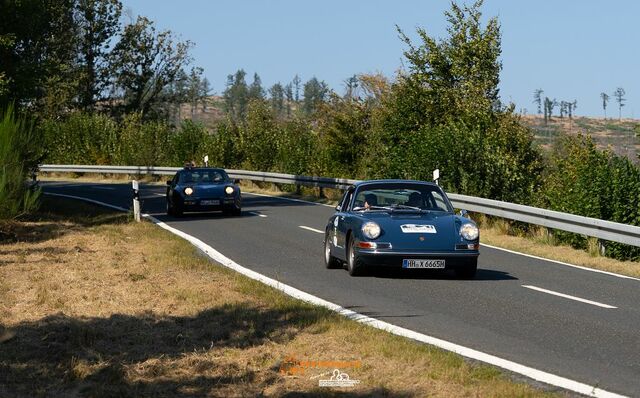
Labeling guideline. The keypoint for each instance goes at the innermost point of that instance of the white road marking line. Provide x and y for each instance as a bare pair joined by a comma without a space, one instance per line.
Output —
568,296
258,214
87,200
311,229
539,375
561,263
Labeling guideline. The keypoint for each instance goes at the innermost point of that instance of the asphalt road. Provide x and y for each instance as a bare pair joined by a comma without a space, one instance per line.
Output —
519,308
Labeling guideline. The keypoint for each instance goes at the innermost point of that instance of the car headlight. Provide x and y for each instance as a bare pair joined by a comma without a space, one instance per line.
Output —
469,231
229,190
371,230
188,190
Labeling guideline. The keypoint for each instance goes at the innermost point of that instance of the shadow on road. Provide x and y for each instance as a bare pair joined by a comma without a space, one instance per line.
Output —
399,273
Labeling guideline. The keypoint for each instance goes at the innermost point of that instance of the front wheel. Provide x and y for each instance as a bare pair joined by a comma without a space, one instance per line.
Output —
468,271
329,260
354,264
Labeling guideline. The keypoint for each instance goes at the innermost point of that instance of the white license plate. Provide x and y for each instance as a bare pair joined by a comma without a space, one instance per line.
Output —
209,202
408,263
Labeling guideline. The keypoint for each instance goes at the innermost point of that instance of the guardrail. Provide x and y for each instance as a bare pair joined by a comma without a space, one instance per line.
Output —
606,230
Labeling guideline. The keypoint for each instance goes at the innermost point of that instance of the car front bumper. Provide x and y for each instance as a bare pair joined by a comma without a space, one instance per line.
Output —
453,260
195,204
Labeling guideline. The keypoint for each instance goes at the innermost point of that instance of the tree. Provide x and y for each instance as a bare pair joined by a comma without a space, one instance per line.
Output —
145,63
619,94
236,95
537,99
315,93
288,91
197,88
38,42
563,108
605,100
351,85
277,93
98,21
571,107
374,86
296,87
255,89
462,71
549,105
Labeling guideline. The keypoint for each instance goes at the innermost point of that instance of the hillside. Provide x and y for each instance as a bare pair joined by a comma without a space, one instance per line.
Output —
621,136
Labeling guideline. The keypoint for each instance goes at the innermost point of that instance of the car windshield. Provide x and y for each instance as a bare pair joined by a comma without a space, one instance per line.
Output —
202,176
401,197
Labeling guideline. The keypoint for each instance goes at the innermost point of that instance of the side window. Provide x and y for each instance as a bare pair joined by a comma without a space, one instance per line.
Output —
346,200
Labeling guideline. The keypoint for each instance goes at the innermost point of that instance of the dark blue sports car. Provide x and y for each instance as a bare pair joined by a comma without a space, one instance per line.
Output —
203,189
399,223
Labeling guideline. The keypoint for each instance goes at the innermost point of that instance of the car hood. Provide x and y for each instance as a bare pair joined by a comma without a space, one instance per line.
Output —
418,231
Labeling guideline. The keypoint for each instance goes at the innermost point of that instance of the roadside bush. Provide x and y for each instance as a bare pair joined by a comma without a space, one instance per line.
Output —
593,183
189,143
145,143
20,152
82,138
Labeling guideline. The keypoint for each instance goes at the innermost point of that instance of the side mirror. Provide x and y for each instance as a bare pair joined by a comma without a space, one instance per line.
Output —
169,182
463,213
236,181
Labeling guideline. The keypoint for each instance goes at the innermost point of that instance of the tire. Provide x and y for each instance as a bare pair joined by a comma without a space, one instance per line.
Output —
177,211
169,208
354,264
330,262
237,212
468,271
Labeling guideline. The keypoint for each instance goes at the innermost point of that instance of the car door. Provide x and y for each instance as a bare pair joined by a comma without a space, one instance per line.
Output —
172,186
341,222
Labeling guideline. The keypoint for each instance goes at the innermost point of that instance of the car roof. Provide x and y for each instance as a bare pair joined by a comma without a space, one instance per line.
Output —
202,169
393,181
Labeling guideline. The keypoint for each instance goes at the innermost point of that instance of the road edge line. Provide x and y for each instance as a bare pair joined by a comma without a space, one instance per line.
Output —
562,263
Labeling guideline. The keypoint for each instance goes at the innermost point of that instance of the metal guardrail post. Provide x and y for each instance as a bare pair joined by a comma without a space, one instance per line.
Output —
136,200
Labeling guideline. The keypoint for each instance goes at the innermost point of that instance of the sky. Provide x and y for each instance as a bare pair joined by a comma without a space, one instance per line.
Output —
572,49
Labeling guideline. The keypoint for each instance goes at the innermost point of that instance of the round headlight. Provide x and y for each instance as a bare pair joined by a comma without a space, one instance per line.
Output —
469,231
371,230
188,190
229,190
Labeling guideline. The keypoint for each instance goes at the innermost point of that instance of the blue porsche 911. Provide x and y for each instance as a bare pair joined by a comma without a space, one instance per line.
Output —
400,223
203,189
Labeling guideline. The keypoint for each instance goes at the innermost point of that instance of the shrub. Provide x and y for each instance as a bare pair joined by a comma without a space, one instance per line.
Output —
20,153
593,183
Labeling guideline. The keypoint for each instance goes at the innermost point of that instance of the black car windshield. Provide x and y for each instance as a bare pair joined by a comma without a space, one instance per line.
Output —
202,176
401,196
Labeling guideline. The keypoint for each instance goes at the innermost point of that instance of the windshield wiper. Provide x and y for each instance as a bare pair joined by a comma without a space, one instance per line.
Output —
362,208
405,207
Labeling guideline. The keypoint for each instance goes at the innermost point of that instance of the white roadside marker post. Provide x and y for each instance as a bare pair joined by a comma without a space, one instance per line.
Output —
136,200
436,176
206,161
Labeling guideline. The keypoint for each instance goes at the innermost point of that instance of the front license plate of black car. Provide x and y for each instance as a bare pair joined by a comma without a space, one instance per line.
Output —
209,202
408,263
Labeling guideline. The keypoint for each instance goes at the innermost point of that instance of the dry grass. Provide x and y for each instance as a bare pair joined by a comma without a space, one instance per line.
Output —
543,245
103,307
